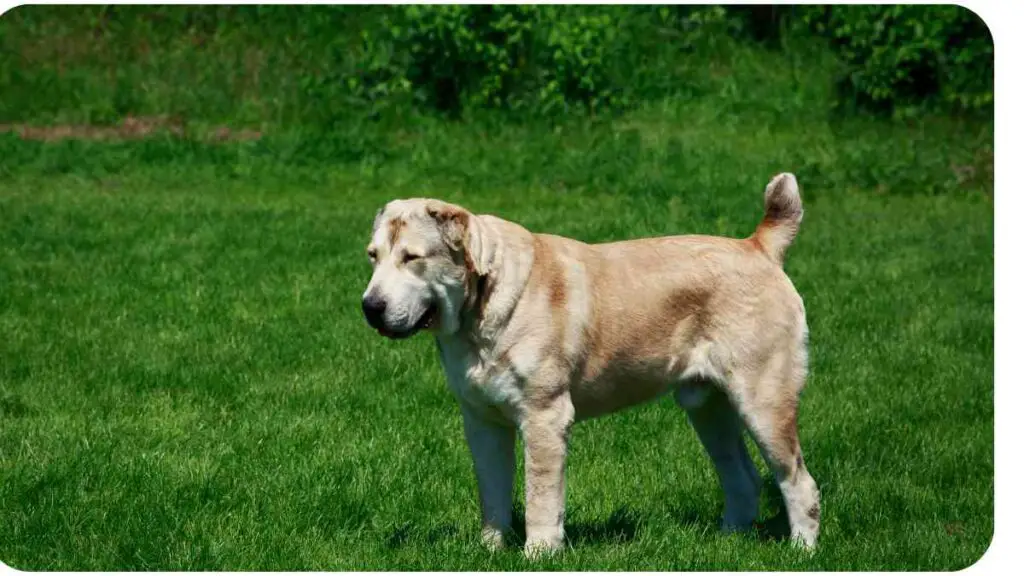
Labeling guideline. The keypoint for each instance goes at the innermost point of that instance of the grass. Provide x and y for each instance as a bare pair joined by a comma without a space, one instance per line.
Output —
186,381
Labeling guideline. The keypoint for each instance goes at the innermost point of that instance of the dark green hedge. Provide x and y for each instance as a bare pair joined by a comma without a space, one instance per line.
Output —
558,58
905,58
545,59
328,64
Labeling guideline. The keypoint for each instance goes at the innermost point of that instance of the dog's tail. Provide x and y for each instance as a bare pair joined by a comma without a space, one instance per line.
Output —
783,212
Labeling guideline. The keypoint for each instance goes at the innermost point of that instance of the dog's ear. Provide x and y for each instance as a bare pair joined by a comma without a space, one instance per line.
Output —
453,223
456,225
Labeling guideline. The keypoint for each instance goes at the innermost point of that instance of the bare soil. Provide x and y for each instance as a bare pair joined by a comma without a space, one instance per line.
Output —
130,128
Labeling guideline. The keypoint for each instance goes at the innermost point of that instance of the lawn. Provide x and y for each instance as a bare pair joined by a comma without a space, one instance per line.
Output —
186,381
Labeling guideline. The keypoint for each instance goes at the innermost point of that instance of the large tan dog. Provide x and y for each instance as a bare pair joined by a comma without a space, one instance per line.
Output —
537,331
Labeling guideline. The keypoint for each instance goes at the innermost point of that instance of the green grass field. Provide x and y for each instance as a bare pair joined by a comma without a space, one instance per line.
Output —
187,383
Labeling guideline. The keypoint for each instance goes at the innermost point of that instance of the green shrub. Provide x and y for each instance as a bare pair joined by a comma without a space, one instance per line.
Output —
904,58
542,59
329,66
446,56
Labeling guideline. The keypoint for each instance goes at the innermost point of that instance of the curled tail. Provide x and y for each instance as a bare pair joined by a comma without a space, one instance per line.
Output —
782,214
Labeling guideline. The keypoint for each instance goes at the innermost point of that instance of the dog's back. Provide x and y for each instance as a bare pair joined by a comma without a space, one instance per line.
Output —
638,318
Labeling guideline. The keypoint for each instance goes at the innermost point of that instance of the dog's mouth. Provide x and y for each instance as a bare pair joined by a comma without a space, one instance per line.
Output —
426,321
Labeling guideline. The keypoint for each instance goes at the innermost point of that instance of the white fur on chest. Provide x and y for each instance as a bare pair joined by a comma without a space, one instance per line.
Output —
489,388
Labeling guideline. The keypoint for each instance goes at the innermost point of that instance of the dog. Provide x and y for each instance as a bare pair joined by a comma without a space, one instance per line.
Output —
537,331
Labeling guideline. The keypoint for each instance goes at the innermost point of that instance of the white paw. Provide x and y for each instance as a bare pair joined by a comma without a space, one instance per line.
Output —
805,541
492,538
540,548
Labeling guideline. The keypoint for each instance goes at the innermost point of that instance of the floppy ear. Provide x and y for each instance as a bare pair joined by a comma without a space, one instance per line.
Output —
458,232
453,223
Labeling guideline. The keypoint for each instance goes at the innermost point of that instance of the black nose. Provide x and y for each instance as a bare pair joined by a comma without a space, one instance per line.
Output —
373,309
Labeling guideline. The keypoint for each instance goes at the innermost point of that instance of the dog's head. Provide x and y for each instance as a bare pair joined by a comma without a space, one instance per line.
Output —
422,257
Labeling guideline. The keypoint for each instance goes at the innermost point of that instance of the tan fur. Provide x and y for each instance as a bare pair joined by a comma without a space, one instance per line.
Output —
395,229
551,330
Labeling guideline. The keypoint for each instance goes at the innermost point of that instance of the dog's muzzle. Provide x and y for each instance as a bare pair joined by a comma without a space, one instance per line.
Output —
374,309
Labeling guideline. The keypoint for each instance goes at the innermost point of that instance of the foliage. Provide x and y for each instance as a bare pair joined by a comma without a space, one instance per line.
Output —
523,57
328,65
908,57
562,58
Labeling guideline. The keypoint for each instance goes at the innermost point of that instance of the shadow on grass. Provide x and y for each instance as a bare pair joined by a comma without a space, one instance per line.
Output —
13,406
401,535
774,528
622,525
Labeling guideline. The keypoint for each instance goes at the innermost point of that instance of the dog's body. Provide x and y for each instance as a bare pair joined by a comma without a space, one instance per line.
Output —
537,331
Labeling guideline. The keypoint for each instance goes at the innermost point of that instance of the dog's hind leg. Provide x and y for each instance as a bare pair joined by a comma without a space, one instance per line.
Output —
720,430
771,417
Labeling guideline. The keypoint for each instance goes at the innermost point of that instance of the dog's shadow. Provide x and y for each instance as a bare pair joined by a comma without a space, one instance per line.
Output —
622,525
774,528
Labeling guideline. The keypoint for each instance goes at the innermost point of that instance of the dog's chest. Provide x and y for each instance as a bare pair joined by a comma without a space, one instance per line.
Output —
483,384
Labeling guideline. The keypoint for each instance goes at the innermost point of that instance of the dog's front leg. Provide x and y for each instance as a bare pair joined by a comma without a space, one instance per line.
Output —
493,448
545,430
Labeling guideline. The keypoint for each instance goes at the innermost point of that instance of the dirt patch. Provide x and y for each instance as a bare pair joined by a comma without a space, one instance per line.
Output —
131,128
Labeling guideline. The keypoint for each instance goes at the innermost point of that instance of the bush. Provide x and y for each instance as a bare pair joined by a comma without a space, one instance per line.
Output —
554,59
329,66
904,58
542,59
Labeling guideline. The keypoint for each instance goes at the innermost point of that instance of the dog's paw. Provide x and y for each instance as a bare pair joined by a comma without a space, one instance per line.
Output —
492,538
540,548
805,541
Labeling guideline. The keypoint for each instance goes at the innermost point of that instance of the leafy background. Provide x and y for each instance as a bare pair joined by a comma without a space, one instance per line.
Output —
185,378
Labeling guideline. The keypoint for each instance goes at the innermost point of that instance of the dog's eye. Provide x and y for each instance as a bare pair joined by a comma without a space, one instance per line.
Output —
371,254
409,257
